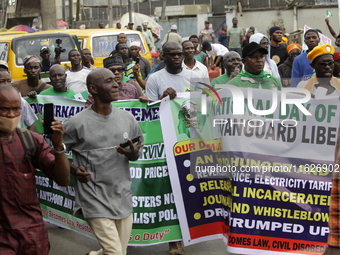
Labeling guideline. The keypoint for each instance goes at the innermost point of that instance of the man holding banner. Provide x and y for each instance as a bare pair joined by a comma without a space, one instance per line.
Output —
103,186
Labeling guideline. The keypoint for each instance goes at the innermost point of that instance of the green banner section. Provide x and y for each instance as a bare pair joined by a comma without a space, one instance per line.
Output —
155,218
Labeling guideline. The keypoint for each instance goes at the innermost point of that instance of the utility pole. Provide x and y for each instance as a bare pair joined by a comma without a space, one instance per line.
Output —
130,11
64,10
120,8
163,10
78,10
110,14
48,14
70,13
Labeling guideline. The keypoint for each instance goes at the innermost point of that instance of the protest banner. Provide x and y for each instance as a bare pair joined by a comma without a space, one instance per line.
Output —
154,214
280,165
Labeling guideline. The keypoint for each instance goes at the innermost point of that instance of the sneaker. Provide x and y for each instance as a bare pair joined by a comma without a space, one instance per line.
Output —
175,248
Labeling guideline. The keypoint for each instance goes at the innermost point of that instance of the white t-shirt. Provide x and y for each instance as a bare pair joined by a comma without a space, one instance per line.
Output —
199,68
217,50
158,82
28,116
76,81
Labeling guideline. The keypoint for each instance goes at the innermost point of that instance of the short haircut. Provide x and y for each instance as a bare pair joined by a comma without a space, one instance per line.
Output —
234,18
311,31
5,87
185,42
121,34
69,53
118,45
193,36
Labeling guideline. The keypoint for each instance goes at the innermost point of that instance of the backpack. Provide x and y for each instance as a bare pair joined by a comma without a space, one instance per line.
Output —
27,140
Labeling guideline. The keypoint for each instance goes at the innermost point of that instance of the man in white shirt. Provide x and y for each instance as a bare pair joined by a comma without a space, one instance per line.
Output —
217,50
76,75
191,63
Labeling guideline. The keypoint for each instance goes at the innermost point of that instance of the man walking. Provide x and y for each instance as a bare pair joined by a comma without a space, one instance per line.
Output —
235,37
101,166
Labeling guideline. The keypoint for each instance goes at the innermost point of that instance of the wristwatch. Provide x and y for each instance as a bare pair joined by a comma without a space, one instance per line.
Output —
60,152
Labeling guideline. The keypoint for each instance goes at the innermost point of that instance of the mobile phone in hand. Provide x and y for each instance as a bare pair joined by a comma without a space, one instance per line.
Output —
48,118
137,60
134,140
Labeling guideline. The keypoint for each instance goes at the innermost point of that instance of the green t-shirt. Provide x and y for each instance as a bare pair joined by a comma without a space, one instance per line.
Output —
234,34
200,57
223,79
263,80
51,92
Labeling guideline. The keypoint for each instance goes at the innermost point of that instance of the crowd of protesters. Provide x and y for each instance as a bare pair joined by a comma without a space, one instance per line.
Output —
236,57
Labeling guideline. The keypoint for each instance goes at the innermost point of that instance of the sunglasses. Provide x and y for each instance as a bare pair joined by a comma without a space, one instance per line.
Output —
174,54
324,64
119,69
295,54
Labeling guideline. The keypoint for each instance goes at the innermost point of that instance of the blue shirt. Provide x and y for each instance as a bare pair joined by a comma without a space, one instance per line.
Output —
301,69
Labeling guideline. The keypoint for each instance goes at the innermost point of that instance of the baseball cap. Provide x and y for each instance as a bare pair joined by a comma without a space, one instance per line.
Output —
3,63
130,23
44,48
251,48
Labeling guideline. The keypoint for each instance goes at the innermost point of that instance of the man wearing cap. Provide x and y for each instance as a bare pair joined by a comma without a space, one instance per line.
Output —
278,52
302,69
130,25
217,50
76,75
45,55
144,64
253,75
285,69
149,33
232,63
323,84
336,58
3,65
206,34
190,63
235,37
32,86
172,35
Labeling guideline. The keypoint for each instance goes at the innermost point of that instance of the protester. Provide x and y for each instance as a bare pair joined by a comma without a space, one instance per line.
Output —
235,37
158,86
32,86
285,69
198,54
148,33
3,66
22,227
302,69
130,25
58,81
76,75
155,37
233,65
323,84
144,64
335,35
216,50
28,116
253,75
249,33
222,38
172,35
146,37
103,181
46,63
190,63
122,38
336,59
86,59
206,34
278,52
269,64
118,26
126,90
101,25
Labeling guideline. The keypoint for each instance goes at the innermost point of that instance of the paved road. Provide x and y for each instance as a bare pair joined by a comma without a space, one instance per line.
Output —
67,242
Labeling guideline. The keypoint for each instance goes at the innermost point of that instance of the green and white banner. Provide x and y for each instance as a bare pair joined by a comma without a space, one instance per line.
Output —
155,218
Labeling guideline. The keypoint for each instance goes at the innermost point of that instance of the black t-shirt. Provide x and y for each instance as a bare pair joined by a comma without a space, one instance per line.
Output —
278,54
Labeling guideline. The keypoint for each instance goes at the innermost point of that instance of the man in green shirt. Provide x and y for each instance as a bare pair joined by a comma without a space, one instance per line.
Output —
58,80
253,75
233,64
235,37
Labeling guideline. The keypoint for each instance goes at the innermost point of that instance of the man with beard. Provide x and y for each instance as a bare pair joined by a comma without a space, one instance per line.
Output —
158,85
323,84
302,69
233,64
253,75
278,52
76,75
